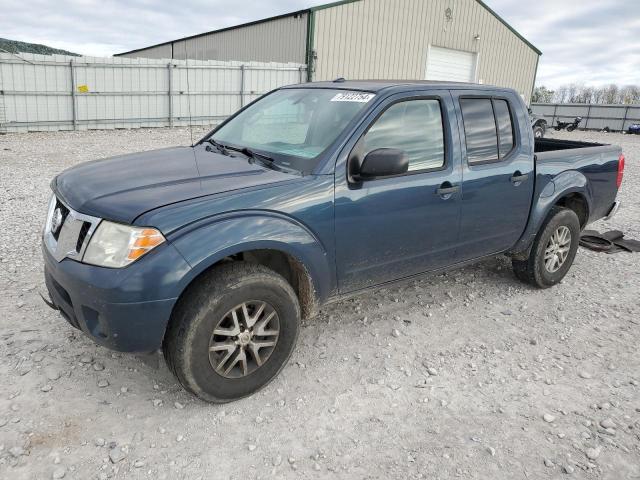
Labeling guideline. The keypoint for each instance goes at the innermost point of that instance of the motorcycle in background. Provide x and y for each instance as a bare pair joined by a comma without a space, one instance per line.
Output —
570,126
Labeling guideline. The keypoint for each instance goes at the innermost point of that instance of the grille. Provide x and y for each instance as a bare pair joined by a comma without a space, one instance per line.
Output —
70,239
82,236
65,213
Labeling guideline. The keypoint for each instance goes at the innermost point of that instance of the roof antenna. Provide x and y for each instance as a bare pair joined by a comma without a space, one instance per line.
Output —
186,59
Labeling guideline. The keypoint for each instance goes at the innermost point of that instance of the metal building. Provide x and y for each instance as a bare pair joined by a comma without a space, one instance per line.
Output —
459,40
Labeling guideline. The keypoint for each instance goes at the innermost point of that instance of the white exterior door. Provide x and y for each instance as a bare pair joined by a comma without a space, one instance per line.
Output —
451,65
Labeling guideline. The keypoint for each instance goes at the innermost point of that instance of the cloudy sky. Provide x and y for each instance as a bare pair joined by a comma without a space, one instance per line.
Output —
588,41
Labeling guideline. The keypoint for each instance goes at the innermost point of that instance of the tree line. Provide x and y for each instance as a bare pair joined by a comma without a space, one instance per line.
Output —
14,46
574,93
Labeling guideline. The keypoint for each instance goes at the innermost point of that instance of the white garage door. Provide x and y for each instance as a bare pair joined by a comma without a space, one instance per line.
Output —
451,65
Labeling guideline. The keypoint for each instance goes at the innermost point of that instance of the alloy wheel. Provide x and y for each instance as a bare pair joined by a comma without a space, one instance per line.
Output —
557,249
244,339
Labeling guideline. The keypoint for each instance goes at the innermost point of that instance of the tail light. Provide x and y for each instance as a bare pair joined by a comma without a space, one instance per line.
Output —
620,170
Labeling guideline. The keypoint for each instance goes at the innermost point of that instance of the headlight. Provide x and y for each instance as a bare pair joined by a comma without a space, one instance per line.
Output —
52,205
116,246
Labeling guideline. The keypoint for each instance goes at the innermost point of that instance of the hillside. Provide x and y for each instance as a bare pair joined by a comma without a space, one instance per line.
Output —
14,46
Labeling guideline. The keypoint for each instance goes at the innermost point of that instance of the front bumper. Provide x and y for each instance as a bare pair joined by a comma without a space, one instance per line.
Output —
124,309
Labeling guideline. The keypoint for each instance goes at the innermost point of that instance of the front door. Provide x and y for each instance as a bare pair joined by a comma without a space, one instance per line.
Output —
390,228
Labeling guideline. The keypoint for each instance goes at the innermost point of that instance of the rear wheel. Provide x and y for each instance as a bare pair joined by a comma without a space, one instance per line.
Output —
553,250
232,332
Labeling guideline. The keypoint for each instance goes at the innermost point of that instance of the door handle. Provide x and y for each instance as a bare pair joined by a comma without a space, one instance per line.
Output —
446,190
518,177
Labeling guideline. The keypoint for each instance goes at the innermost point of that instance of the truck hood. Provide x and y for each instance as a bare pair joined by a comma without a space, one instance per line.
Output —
124,187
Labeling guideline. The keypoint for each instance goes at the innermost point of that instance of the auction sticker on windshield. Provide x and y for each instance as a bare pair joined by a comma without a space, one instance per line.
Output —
359,97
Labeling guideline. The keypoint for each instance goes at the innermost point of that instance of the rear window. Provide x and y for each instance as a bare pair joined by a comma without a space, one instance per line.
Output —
488,128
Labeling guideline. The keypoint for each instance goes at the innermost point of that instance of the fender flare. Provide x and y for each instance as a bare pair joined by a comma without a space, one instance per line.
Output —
205,243
566,183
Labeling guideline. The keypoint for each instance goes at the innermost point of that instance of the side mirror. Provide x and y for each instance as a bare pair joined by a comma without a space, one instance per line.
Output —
383,162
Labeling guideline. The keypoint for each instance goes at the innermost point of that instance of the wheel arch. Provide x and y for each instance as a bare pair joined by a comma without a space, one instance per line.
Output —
285,264
576,201
276,242
569,190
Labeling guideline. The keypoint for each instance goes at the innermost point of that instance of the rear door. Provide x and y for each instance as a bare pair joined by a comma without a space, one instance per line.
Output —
390,228
497,171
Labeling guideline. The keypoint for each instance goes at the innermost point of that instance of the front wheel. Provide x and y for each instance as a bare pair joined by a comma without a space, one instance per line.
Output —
553,250
232,332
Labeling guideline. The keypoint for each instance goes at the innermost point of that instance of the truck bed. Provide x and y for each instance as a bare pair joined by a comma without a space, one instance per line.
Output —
597,163
554,145
581,153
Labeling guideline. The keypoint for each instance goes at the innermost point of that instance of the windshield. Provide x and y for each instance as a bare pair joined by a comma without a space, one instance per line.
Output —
293,126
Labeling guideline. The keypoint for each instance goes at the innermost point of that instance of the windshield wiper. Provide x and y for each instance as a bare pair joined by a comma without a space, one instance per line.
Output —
252,155
247,152
261,156
223,149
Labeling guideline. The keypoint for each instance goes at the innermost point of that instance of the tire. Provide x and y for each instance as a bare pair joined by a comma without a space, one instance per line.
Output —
207,306
534,270
538,132
571,128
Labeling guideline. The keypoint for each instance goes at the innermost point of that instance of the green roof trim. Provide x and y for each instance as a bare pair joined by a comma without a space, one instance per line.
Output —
513,30
311,28
332,4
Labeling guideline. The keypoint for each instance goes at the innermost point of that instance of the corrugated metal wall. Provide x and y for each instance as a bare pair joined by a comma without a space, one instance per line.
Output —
391,38
279,40
49,93
596,117
159,52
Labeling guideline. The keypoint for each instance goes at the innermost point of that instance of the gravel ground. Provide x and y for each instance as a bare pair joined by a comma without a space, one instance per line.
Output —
468,374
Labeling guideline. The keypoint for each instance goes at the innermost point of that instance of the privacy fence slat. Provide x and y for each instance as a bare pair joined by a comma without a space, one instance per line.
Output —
594,116
57,92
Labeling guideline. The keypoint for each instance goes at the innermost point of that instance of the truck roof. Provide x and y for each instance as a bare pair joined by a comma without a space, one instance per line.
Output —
375,86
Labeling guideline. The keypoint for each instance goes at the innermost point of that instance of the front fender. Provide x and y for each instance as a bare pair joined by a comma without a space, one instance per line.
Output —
204,244
555,189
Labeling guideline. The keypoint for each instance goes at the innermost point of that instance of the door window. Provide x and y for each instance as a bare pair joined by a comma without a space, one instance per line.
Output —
488,128
505,128
414,126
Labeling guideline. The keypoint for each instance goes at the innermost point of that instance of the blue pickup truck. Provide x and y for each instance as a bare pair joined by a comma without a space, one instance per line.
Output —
214,252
